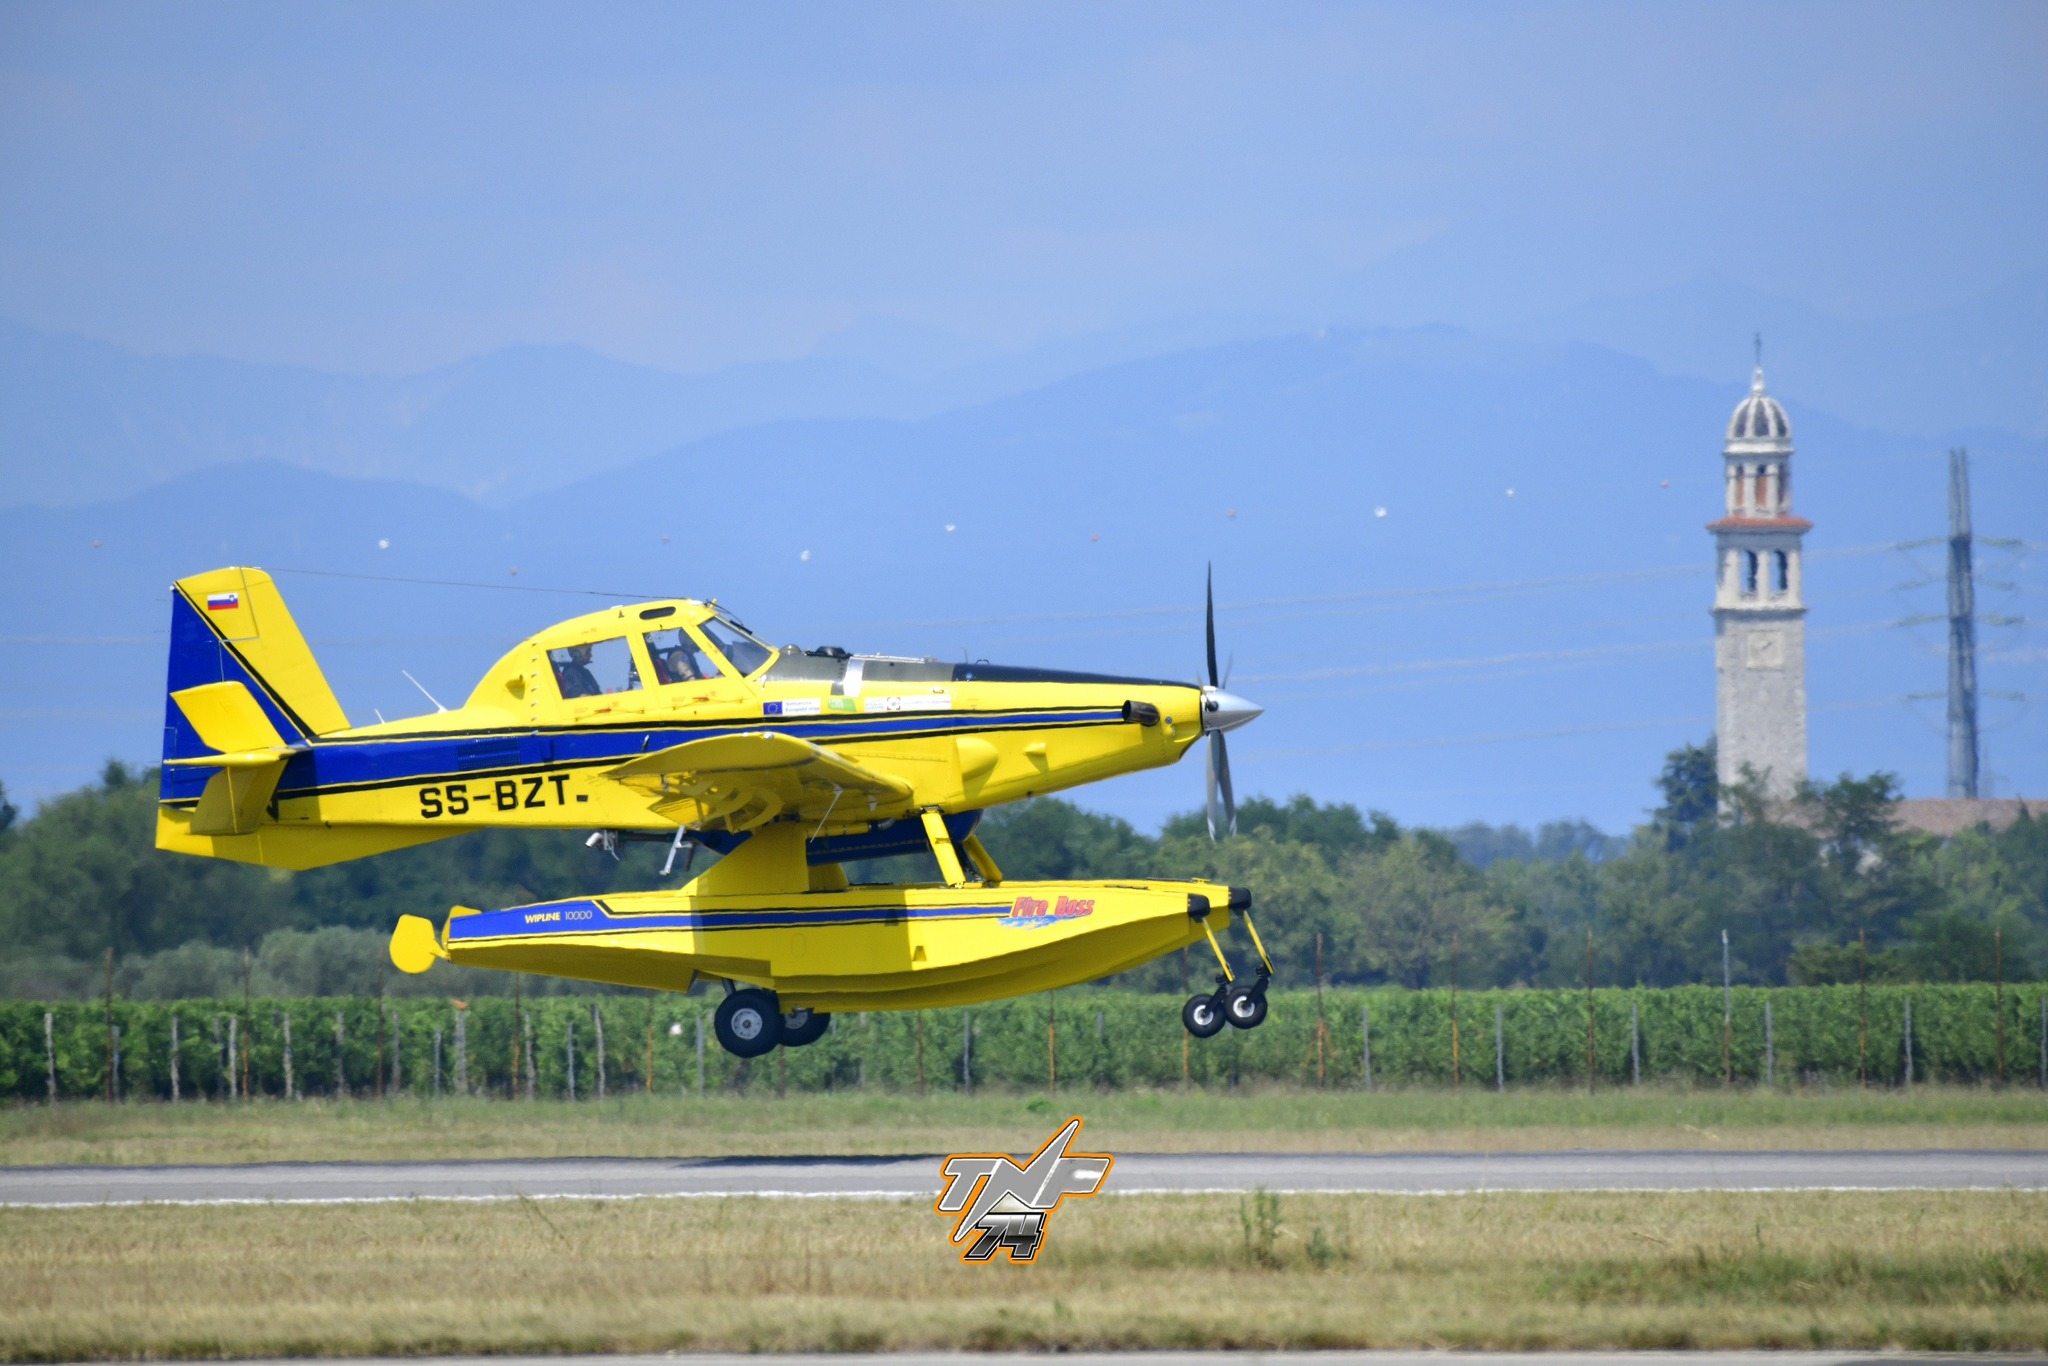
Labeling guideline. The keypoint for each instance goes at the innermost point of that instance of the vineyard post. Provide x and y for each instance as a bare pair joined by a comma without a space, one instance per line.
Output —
2044,1043
1052,1042
649,1075
248,1028
175,1049
380,1026
1770,1046
1862,1011
1454,1011
1592,1057
284,1026
110,1022
50,1052
117,1062
1998,970
1185,1080
597,1028
1635,1045
234,1053
570,1045
340,1058
1727,1017
1365,1042
437,1062
1906,1042
397,1049
1322,1027
461,1049
1500,1053
966,1050
518,1029
532,1072
920,1052
700,1055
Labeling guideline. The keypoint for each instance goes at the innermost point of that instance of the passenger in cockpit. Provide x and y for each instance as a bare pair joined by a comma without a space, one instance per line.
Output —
676,664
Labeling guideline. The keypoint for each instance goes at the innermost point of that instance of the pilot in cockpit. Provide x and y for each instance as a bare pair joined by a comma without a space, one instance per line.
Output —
677,666
573,674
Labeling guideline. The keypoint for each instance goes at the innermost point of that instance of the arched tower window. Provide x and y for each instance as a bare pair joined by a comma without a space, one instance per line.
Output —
1749,568
1767,488
1781,572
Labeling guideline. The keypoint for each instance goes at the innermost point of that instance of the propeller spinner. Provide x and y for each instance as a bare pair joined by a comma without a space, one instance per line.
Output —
1221,711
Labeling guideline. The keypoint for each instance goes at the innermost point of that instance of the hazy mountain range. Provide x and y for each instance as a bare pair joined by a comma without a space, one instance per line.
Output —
1466,574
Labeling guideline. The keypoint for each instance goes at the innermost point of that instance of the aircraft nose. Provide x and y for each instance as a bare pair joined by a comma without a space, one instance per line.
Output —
1226,711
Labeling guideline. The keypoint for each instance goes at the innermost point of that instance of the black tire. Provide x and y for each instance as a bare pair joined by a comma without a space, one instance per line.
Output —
1245,1007
800,1027
1202,1016
748,1023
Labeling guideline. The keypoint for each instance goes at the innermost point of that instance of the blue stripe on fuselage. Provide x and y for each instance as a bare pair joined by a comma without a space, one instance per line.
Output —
344,763
589,917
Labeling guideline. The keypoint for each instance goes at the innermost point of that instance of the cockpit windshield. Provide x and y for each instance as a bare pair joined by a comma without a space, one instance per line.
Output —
745,653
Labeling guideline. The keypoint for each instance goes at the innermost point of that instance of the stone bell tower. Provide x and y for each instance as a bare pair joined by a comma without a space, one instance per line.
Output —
1759,610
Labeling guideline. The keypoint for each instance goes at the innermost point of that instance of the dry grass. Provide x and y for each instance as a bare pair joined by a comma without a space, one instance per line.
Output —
868,1122
1878,1270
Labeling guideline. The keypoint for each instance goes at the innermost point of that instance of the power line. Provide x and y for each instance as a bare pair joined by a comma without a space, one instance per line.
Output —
1516,737
459,583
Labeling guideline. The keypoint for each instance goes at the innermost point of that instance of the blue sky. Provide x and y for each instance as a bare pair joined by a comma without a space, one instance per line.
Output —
989,198
382,188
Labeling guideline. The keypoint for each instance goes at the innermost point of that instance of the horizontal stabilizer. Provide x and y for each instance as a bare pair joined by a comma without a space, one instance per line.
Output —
253,757
227,718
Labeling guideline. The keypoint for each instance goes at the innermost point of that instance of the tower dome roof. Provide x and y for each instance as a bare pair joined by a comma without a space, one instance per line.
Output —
1759,417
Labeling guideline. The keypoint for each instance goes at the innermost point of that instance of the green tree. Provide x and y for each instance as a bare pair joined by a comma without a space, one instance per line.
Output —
1692,793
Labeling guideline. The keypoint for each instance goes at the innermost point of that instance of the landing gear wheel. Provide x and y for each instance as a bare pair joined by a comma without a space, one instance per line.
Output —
800,1027
1202,1016
748,1022
1245,1007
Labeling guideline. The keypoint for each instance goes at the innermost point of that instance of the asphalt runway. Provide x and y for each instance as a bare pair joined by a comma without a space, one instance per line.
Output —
1134,1173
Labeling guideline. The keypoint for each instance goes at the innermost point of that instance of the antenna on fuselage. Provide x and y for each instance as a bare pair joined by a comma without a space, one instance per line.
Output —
423,691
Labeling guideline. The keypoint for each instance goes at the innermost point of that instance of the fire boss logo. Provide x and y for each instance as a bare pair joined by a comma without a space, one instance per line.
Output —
1031,913
1003,1206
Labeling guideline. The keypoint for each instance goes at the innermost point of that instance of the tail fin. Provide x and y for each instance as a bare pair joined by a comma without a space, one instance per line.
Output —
231,626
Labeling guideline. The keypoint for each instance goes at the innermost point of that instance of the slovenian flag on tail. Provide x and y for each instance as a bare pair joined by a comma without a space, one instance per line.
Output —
223,602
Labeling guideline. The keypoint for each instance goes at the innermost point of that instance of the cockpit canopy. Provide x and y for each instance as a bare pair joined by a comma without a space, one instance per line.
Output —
660,645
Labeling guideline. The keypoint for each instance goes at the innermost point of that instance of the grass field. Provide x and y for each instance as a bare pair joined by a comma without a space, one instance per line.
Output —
873,1122
1881,1270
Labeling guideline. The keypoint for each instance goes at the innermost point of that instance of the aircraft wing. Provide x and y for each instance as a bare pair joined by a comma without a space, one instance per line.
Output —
750,779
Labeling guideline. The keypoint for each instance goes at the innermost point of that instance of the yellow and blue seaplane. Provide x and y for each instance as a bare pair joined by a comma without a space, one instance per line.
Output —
671,721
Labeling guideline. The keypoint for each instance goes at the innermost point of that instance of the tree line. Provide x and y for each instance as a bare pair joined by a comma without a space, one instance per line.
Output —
1814,891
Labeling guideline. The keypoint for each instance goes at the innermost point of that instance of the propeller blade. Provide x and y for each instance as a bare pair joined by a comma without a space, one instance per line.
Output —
1209,768
1223,780
1209,597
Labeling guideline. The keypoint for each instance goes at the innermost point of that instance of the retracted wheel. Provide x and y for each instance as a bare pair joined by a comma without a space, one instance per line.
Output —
803,1026
1245,1006
1202,1015
748,1022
